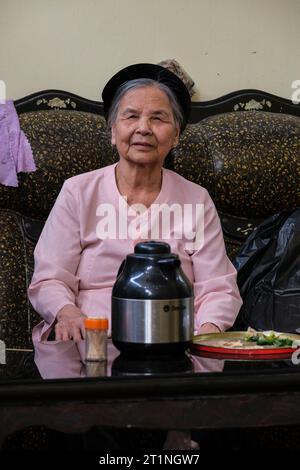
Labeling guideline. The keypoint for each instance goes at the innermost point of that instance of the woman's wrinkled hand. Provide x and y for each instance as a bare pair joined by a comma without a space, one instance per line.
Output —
70,324
208,328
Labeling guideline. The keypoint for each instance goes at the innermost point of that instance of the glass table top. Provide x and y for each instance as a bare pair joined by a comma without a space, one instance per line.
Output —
22,365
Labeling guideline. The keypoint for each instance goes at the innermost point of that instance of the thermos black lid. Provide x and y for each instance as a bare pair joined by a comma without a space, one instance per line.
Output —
152,248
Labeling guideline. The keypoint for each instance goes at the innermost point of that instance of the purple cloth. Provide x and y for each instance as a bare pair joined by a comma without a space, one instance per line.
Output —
15,151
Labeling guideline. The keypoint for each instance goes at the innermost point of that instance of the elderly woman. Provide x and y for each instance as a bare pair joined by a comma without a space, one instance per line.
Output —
76,263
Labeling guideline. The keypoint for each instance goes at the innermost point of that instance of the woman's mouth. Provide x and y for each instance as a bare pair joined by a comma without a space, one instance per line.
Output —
142,145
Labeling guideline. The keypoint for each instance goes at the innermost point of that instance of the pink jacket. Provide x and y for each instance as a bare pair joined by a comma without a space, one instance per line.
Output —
74,266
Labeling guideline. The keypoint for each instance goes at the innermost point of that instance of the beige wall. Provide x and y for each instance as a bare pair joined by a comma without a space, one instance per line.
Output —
76,45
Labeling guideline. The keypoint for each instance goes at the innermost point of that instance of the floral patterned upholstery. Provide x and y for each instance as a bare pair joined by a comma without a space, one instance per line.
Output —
250,163
64,144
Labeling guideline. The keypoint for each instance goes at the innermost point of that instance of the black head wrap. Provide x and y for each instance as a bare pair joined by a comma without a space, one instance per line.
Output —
154,72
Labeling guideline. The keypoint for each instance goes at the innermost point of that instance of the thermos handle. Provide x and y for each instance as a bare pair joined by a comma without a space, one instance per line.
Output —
121,268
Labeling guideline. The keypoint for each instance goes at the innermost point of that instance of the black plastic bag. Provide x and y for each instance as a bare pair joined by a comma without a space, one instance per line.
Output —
268,266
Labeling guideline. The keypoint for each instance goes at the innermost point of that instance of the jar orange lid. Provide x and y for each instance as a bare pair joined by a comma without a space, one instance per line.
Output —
93,323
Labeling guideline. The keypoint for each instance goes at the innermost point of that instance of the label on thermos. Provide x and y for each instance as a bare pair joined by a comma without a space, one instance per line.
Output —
152,321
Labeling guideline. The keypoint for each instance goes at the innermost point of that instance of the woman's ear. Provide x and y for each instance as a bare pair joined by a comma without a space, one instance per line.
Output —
177,135
113,135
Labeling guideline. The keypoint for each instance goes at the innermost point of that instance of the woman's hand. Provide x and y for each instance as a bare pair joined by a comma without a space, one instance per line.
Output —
208,328
70,324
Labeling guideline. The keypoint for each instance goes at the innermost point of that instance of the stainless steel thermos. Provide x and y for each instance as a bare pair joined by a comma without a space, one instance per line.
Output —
152,302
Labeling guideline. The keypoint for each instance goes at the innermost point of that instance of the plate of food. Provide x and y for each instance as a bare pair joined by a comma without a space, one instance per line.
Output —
247,343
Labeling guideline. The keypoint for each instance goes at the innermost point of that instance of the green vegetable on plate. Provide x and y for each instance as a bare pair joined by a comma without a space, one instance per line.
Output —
270,339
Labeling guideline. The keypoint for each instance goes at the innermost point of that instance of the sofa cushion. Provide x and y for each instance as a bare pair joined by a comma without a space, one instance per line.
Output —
248,160
64,144
191,158
16,267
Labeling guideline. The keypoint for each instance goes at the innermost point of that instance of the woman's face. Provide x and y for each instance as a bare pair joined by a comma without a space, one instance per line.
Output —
144,131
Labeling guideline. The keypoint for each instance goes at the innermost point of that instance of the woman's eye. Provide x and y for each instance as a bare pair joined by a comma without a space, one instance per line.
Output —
132,116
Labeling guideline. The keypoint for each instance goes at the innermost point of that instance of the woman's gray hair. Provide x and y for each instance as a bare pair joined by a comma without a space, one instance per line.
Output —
140,83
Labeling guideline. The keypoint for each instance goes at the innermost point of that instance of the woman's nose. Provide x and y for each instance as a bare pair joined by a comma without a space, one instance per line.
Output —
144,126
